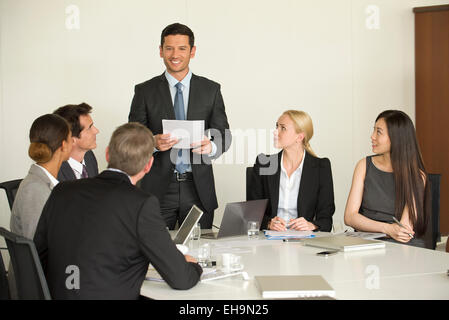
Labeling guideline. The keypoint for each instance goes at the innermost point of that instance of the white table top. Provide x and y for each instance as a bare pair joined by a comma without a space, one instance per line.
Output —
396,272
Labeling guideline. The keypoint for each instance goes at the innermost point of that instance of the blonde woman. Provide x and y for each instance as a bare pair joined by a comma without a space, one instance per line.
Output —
297,183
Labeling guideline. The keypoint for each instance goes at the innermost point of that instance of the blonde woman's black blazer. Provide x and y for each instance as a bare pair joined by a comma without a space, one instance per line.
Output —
316,191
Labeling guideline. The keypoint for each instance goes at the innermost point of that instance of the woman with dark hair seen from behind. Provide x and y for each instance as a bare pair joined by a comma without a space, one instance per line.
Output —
391,184
50,145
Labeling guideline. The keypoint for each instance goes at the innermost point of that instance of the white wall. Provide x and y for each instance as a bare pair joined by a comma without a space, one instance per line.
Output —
318,56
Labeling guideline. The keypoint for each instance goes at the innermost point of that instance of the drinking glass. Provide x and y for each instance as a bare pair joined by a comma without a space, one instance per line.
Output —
204,255
253,230
195,236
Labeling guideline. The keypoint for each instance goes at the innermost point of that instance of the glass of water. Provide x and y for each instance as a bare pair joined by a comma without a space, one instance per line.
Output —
253,230
231,262
286,216
195,236
196,232
204,255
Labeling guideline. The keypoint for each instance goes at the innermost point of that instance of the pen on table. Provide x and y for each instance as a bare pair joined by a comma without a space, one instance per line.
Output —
402,226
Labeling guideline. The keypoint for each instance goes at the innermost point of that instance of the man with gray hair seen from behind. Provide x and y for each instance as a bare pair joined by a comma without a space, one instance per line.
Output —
96,237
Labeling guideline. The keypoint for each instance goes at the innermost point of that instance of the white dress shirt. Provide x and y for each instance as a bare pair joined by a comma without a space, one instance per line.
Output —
77,167
288,191
185,88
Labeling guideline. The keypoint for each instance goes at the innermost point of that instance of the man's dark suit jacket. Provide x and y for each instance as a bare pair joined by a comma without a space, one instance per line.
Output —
316,191
66,173
152,102
110,230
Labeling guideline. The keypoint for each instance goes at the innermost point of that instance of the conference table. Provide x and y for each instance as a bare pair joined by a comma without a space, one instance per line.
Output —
395,272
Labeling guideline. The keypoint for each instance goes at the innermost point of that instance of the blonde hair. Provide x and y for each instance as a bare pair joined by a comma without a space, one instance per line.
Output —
303,124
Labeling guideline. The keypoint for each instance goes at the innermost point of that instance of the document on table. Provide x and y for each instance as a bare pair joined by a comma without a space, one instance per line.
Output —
364,235
279,235
187,131
207,275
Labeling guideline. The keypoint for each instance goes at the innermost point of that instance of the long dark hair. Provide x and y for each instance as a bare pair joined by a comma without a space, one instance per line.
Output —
408,169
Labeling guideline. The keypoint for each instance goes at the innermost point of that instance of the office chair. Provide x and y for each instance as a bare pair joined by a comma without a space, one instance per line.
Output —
435,180
28,273
249,173
4,286
11,190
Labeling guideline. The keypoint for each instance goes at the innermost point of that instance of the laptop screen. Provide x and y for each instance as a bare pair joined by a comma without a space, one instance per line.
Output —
186,228
237,215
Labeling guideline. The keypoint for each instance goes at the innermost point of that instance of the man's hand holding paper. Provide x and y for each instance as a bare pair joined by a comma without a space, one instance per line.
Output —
187,133
202,147
164,142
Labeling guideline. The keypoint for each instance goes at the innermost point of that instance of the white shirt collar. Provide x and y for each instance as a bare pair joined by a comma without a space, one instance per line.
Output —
172,81
76,165
53,180
118,170
299,169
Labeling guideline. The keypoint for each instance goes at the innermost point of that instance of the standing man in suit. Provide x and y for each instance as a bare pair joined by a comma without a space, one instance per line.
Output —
179,94
96,236
82,162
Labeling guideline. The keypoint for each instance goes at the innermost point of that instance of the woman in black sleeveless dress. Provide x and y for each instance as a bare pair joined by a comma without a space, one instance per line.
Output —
392,183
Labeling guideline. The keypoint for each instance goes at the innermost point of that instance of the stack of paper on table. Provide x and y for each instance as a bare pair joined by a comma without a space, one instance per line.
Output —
279,235
153,275
207,275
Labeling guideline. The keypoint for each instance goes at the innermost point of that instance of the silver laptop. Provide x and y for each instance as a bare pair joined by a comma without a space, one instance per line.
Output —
236,217
189,222
344,243
312,286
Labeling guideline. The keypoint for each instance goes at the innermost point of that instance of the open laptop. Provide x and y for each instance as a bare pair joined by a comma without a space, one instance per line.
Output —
344,243
236,217
189,222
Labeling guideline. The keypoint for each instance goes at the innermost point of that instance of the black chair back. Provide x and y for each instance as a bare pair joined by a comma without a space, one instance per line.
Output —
28,273
435,181
4,287
249,172
11,190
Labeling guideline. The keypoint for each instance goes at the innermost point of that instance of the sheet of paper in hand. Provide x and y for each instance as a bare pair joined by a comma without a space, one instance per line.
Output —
186,131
